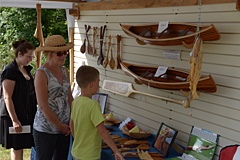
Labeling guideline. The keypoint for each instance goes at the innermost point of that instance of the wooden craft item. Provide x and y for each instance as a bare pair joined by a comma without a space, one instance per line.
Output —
130,142
142,134
121,140
196,67
101,58
238,5
144,155
118,59
173,79
135,154
125,89
111,122
39,35
105,61
112,62
177,33
89,47
94,40
83,47
115,136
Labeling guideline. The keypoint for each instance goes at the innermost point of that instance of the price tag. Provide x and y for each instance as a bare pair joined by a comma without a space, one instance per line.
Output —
161,70
162,26
172,54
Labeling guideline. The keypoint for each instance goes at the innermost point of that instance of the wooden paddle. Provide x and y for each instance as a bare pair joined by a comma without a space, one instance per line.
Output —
105,61
125,89
39,35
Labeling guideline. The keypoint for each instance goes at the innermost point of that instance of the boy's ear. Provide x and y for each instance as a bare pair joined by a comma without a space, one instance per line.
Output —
91,84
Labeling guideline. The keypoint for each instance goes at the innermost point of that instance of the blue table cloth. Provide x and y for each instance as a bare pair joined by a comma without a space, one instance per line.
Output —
106,154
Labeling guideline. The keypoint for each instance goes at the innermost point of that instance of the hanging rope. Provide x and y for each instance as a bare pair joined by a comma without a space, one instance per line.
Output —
199,17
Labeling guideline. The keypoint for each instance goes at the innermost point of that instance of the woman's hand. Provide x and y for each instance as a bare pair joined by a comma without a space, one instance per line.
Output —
65,129
17,126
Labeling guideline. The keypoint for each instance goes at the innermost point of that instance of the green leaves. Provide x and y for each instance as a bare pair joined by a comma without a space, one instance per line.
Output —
18,23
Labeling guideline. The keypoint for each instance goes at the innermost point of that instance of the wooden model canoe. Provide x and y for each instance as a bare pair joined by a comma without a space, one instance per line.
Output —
176,34
173,79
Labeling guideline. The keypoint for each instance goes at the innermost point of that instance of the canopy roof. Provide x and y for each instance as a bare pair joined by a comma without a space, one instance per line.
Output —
32,4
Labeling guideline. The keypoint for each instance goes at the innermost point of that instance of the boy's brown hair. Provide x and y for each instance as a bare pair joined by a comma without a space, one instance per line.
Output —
86,75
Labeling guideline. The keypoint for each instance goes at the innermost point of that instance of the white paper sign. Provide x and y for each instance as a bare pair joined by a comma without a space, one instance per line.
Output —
162,26
25,129
161,70
124,123
172,54
191,54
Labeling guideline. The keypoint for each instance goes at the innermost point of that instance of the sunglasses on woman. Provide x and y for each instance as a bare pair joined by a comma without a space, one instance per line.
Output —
60,53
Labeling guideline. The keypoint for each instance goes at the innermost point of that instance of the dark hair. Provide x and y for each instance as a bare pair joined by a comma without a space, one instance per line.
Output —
86,75
22,46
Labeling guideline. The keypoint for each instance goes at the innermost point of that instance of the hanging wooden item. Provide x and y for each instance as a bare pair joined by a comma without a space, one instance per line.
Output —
238,5
176,33
118,59
39,35
89,47
196,67
101,58
125,89
173,79
94,40
105,62
112,62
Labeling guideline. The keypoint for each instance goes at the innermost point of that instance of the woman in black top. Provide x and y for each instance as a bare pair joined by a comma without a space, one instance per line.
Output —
18,104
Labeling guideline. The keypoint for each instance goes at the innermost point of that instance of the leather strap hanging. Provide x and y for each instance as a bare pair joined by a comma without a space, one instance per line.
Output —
118,59
94,39
101,58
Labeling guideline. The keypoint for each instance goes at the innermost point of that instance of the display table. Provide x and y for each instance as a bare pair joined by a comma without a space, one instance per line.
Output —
107,153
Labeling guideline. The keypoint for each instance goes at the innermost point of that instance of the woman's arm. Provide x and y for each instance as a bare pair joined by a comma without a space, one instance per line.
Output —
70,97
72,127
8,88
42,99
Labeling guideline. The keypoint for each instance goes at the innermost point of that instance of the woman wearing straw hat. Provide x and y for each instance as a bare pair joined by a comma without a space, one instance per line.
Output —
51,124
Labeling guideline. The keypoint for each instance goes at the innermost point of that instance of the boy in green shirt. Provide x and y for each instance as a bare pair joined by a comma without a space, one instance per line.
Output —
87,120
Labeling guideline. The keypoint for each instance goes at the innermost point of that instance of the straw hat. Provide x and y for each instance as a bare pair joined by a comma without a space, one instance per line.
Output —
55,43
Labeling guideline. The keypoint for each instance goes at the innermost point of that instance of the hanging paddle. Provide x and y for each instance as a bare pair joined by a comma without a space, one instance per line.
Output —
39,35
125,89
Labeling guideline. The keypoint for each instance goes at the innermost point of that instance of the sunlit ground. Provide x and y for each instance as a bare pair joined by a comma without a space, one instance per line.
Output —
5,154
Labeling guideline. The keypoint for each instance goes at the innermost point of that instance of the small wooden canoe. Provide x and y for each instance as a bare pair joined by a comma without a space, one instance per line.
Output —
173,79
176,34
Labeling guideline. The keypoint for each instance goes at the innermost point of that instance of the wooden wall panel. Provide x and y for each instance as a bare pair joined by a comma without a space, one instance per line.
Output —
218,112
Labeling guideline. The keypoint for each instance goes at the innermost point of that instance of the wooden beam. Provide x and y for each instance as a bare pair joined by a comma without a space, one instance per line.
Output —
76,1
71,56
131,4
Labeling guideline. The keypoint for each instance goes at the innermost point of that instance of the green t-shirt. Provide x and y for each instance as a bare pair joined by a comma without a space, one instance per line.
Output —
86,115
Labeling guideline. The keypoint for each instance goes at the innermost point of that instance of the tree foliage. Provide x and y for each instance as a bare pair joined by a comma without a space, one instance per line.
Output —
18,23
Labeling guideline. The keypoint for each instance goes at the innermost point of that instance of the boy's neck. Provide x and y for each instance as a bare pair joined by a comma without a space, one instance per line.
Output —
86,93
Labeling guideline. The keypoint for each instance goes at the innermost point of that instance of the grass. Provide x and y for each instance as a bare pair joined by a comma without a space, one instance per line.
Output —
5,154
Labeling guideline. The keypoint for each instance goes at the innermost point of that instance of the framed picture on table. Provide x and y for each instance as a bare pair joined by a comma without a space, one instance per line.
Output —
164,139
102,99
